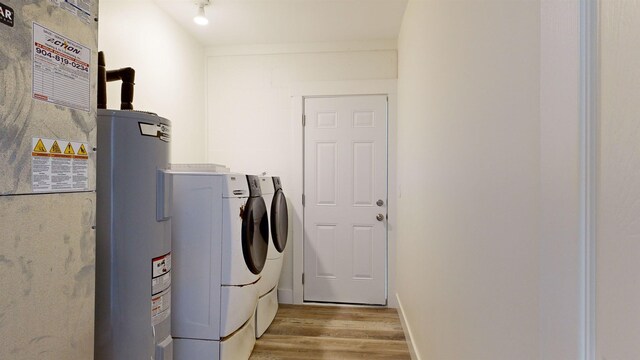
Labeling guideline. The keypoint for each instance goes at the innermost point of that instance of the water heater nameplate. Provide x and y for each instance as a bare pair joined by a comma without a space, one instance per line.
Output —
161,277
160,307
160,289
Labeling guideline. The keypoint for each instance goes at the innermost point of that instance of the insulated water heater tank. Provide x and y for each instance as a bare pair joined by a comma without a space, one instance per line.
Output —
133,255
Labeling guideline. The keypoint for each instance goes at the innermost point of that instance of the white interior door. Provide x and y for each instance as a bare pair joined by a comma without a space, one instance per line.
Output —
345,189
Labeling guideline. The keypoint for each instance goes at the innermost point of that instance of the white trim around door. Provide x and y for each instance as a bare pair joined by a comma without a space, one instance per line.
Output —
588,103
337,88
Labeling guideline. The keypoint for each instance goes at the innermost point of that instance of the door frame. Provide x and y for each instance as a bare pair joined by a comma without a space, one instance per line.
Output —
386,198
589,99
341,88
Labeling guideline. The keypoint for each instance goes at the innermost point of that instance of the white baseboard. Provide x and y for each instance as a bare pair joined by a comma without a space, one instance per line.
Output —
415,355
285,296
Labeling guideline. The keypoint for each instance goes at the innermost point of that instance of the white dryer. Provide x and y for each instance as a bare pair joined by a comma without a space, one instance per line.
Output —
279,225
220,242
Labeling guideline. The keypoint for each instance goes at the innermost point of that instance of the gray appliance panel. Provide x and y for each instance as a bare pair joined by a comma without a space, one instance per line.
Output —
22,117
47,267
133,228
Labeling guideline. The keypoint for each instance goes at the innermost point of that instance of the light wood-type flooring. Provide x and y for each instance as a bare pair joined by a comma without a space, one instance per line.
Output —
331,332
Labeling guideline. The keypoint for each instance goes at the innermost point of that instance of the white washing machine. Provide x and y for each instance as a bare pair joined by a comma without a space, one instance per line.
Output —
208,167
279,226
220,242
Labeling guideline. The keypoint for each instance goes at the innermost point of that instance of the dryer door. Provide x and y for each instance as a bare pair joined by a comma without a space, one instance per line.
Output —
255,234
279,221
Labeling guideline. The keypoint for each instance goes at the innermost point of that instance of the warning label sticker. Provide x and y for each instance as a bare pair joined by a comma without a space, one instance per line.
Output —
40,147
69,150
82,150
60,69
160,274
55,148
160,307
160,288
53,170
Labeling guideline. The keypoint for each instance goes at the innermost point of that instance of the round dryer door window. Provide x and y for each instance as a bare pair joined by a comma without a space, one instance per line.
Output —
279,220
255,234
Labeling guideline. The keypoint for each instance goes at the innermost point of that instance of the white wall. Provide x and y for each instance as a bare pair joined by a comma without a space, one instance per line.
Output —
249,100
618,183
170,70
469,177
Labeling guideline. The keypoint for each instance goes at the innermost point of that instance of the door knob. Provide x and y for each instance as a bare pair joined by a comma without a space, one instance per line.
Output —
380,202
379,217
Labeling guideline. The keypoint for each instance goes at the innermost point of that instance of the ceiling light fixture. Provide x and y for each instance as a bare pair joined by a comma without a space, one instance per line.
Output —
201,18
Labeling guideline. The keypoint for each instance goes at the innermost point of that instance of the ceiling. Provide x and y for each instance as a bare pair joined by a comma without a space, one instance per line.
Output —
240,22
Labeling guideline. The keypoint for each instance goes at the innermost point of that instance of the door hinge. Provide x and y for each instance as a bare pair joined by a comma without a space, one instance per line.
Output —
303,199
304,119
302,278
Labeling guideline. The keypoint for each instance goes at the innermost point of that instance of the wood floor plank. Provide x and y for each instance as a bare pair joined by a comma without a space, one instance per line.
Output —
336,328
331,332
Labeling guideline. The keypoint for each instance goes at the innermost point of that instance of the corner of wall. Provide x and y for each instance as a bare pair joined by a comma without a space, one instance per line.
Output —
406,328
285,296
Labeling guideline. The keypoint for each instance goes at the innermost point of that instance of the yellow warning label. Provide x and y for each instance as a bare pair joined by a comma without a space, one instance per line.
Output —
69,150
39,147
82,150
55,148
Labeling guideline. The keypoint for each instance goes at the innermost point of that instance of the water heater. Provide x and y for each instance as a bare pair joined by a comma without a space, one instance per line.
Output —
133,254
